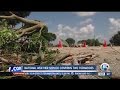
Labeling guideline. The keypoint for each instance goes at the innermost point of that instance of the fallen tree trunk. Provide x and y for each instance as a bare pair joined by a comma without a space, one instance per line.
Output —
85,59
68,59
62,59
83,56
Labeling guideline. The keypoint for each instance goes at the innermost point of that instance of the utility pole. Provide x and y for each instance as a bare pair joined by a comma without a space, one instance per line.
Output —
94,39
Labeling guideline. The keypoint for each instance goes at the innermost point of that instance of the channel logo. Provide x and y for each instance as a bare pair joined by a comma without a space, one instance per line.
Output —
15,69
104,67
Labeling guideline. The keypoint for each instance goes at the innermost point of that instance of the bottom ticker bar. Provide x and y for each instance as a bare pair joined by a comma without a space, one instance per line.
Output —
61,73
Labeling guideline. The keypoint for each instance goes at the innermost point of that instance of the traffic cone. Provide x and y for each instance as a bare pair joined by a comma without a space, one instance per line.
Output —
105,44
84,44
60,44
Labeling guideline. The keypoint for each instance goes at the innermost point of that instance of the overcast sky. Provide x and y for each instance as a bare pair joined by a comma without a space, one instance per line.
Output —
80,25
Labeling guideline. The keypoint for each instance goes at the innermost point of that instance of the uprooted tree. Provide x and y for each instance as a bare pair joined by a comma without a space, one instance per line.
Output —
32,37
29,40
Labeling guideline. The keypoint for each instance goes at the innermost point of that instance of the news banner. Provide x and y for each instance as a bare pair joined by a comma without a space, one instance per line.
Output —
57,70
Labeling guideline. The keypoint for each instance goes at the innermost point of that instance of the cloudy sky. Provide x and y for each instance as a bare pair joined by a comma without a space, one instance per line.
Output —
80,25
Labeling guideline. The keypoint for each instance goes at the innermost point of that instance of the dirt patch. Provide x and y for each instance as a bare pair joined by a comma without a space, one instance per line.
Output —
105,55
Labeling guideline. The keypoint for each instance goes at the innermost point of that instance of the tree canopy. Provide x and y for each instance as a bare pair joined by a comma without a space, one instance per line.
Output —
115,40
90,42
70,41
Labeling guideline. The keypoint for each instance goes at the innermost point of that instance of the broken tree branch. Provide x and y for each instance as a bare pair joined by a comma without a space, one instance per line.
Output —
83,56
68,59
60,60
35,24
7,17
27,30
13,16
5,61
